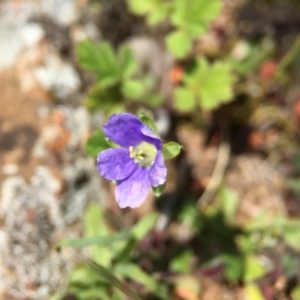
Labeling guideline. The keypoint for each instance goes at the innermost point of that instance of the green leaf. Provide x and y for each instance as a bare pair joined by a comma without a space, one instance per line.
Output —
292,237
171,150
149,122
229,202
85,275
105,240
158,190
234,266
184,99
154,100
178,44
96,143
140,7
133,89
189,216
108,81
142,228
99,59
135,273
87,55
159,14
103,98
125,252
253,268
211,83
253,292
246,244
97,292
181,263
95,224
155,11
128,64
290,265
195,16
296,293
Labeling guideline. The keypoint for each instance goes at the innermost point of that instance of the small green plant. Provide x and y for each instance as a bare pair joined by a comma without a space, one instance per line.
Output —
116,79
208,85
190,19
111,262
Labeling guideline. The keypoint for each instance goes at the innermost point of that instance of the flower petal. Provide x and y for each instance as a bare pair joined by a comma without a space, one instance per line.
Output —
124,129
150,137
158,171
133,191
115,163
128,130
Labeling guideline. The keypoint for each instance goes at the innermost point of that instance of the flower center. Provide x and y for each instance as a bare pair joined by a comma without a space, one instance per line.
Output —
144,154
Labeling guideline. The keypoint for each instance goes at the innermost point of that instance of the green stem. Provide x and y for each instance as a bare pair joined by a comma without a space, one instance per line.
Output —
288,57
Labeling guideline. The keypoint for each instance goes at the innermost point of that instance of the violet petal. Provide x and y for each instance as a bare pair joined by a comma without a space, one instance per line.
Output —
124,129
133,191
150,137
158,171
115,163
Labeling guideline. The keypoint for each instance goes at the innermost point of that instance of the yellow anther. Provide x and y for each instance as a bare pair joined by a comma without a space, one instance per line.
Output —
131,152
144,154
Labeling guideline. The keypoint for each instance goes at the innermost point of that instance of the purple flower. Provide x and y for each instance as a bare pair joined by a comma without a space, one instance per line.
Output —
137,165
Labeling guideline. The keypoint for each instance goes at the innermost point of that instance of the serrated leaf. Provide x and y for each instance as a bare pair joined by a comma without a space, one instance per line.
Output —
211,83
155,11
133,89
87,55
99,59
159,14
184,99
128,64
178,43
171,150
108,58
195,16
216,88
140,7
149,122
142,228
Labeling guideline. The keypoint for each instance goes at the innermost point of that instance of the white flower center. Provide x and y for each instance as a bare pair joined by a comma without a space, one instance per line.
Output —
144,154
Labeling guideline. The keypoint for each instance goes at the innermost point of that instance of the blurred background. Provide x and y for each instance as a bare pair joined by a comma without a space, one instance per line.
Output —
221,78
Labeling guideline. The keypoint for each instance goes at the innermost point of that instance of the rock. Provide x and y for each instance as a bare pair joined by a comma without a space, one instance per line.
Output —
10,169
58,76
16,32
35,217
